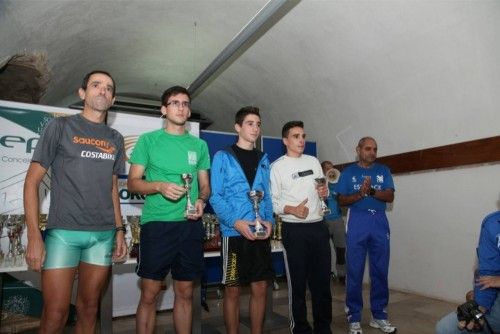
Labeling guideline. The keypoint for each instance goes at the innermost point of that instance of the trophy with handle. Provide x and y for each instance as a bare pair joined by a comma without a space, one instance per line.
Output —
20,248
13,232
256,196
187,178
320,181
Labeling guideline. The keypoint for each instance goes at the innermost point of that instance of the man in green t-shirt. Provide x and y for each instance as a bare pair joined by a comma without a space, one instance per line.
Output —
171,236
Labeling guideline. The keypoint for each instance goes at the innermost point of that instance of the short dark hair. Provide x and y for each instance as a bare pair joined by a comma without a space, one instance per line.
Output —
326,162
361,142
289,125
87,76
174,90
243,112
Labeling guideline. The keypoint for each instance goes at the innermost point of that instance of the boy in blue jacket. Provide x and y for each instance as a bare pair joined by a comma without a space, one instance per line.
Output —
236,170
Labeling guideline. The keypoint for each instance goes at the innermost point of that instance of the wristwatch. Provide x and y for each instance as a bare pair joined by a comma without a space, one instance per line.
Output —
372,191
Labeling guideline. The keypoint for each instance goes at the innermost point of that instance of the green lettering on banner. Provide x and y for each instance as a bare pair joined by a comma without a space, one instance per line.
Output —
5,140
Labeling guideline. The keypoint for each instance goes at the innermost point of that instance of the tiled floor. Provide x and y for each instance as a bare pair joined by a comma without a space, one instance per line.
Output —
411,313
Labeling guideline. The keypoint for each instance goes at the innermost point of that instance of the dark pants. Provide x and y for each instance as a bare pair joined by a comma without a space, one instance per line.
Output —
308,259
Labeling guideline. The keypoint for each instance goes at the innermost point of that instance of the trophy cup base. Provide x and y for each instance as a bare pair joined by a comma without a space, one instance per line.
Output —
259,234
190,212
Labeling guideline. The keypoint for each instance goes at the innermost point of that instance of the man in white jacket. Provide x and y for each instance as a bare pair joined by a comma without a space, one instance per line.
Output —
297,199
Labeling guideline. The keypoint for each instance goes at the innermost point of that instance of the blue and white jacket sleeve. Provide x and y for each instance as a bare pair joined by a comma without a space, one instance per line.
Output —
268,202
218,172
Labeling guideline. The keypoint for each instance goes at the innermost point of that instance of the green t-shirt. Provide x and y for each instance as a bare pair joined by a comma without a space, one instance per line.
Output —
165,157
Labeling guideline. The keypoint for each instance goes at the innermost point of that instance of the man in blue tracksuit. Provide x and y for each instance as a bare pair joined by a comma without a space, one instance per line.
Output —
246,258
486,286
365,187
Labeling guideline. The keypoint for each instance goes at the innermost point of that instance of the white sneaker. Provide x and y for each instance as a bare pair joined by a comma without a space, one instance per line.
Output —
355,328
384,325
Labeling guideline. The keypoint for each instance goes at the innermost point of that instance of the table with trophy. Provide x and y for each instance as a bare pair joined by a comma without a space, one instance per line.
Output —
12,228
12,248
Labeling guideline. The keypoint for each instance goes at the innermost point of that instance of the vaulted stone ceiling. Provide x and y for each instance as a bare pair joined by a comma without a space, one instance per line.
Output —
413,74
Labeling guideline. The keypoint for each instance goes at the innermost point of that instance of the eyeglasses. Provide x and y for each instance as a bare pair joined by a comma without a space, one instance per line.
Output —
178,104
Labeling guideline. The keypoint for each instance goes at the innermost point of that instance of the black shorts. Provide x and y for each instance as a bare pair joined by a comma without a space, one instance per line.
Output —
245,261
171,246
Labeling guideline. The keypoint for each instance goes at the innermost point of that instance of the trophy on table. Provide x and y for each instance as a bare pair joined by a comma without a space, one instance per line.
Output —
212,239
256,196
276,236
11,234
187,178
320,181
135,231
3,221
277,230
15,226
42,223
209,224
20,248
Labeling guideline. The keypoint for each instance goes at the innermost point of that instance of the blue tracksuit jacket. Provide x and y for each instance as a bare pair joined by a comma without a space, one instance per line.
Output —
230,189
488,252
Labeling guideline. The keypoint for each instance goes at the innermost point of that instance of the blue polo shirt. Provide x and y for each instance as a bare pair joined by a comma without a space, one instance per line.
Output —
351,180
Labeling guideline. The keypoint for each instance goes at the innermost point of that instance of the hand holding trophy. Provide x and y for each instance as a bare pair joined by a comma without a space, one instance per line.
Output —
256,196
190,211
321,182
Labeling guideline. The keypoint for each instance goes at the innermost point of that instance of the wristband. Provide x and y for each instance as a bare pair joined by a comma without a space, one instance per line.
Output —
204,201
121,228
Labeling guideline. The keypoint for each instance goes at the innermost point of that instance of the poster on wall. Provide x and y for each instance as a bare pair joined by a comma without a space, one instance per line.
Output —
20,127
275,148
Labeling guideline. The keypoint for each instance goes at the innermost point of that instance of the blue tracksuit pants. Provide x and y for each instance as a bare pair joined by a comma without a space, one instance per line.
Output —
367,233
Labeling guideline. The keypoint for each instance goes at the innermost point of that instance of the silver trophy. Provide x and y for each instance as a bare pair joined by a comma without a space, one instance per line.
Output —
320,181
15,226
256,196
187,178
21,249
